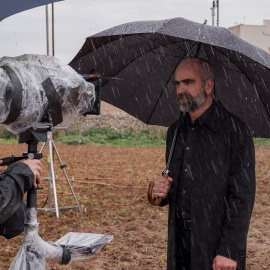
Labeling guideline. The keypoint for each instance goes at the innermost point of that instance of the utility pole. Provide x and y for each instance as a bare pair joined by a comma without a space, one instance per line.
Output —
47,29
217,12
215,4
52,29
213,13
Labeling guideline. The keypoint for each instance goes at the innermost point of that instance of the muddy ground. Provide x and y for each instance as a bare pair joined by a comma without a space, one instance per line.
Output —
110,184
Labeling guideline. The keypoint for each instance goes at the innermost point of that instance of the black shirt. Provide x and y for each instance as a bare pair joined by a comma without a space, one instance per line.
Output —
183,203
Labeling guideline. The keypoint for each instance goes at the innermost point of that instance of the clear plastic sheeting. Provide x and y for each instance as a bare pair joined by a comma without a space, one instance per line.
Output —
83,245
73,246
24,75
34,250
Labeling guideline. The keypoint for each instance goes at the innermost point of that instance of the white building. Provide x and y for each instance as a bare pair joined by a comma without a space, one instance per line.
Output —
258,35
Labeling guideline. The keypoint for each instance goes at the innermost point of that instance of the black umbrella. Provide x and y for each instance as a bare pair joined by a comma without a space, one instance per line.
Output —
145,54
10,7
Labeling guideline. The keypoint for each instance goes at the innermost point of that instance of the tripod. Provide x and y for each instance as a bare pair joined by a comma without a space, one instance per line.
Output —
51,178
34,250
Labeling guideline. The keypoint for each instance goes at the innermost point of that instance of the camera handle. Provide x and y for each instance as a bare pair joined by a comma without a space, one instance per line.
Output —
32,153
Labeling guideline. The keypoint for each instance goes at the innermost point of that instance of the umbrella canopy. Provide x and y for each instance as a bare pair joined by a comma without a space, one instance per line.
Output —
145,54
10,7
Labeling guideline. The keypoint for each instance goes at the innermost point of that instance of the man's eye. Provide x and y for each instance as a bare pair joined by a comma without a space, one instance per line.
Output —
188,82
176,82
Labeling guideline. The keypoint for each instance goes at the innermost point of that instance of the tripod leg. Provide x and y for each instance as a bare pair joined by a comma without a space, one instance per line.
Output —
42,147
65,173
49,179
49,183
53,175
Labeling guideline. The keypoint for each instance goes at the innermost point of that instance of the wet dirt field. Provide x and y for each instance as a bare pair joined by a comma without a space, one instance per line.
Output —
111,184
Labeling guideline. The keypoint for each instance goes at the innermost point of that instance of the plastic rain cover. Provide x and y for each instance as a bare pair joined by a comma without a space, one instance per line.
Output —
73,246
26,74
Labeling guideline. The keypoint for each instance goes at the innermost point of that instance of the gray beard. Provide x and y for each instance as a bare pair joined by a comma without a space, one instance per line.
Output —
193,103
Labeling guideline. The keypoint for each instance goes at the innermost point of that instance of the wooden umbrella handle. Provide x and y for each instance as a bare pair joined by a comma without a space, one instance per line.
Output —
152,199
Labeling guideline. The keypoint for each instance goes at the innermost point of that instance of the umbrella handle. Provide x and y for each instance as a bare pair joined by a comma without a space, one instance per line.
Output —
152,199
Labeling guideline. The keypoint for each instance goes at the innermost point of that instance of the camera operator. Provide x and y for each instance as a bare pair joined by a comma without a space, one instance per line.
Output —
14,182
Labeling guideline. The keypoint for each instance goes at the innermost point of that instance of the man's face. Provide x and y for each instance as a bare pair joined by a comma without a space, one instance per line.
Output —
189,87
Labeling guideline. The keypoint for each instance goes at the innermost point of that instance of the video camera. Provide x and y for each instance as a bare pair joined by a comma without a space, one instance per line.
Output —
34,86
39,94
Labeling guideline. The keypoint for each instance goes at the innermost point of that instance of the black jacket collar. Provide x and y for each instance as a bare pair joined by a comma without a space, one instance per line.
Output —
213,117
216,118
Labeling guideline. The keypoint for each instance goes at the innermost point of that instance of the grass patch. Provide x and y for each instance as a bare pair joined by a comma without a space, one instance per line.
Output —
108,136
7,136
261,141
102,136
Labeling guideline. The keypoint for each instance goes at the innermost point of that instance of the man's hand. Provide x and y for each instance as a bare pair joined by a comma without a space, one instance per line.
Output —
35,166
2,168
162,187
223,263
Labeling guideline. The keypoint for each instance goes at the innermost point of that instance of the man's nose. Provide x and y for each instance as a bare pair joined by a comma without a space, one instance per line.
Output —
180,89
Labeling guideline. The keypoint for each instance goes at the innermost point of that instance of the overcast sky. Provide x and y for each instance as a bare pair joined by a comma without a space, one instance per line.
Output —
75,20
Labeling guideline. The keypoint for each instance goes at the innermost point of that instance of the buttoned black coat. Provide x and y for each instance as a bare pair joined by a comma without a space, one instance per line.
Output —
222,189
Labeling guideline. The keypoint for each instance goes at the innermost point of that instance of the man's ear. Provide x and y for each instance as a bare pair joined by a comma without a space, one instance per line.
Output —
209,86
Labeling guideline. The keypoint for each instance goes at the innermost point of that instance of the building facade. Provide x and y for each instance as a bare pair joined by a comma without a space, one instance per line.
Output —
258,35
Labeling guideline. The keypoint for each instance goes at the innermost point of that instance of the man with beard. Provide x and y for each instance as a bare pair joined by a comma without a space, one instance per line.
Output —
211,185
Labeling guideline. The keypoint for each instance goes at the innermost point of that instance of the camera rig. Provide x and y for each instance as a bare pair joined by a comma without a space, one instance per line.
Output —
38,133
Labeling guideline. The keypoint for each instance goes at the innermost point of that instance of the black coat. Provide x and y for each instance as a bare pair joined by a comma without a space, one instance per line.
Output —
14,182
222,189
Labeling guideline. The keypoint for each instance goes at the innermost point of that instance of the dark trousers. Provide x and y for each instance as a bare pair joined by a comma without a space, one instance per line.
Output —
183,245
